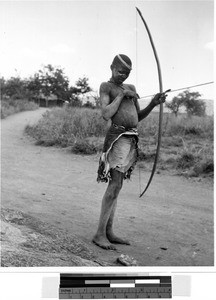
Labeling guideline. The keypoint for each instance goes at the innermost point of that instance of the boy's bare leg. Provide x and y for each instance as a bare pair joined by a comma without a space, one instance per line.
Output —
108,203
109,229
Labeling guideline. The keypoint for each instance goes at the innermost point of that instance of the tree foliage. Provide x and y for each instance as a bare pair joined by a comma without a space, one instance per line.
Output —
190,101
193,105
175,104
15,88
82,87
45,83
50,81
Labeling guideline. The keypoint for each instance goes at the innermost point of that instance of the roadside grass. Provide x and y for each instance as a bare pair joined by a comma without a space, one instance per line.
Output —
178,126
11,106
186,148
68,127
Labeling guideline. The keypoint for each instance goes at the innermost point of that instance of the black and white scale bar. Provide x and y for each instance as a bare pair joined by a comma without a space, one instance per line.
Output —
112,286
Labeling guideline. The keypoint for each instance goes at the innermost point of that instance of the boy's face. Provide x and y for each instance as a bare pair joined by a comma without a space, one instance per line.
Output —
119,73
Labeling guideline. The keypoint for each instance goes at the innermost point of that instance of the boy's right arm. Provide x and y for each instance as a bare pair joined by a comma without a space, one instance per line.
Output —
109,109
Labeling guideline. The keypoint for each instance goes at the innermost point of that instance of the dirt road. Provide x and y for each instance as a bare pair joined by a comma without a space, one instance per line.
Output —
172,225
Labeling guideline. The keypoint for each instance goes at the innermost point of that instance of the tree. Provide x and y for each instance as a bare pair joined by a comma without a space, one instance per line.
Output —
190,101
175,104
34,86
2,87
15,88
45,83
82,87
50,80
193,105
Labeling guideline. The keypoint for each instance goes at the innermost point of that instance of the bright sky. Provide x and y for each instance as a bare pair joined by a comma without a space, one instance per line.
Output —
83,37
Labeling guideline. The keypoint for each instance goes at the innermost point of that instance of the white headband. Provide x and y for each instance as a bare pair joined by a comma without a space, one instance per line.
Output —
124,63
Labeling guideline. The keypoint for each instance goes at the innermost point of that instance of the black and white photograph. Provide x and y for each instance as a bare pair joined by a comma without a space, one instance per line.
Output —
107,134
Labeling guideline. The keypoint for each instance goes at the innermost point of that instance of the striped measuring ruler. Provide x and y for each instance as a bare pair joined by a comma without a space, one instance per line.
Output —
113,286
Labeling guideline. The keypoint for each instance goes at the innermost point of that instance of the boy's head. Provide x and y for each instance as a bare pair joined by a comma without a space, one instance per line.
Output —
123,61
121,67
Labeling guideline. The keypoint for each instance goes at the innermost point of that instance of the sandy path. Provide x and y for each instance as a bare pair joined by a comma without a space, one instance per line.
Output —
59,188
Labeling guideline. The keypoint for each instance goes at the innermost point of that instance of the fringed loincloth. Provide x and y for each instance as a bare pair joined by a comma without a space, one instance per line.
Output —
120,152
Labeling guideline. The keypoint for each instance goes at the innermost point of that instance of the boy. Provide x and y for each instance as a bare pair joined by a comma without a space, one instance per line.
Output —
119,103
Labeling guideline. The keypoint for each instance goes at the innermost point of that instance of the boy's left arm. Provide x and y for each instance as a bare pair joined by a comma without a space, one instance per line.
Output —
156,100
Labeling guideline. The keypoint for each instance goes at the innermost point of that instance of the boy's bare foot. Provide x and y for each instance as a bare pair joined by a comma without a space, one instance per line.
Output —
117,240
103,243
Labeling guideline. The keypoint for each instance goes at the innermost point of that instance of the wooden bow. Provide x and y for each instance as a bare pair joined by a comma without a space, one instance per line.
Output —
161,104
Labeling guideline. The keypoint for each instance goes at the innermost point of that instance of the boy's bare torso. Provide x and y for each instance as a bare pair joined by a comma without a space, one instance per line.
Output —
126,115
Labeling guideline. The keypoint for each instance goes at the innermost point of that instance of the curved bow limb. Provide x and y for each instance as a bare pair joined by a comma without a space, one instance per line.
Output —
161,104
